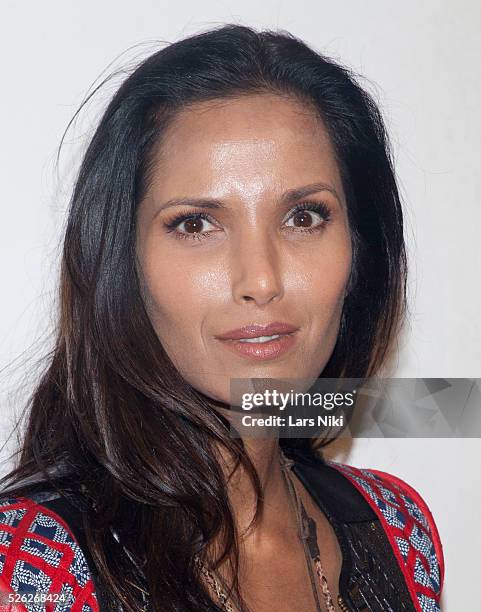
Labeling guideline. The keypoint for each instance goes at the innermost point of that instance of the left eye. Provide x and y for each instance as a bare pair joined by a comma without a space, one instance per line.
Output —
305,218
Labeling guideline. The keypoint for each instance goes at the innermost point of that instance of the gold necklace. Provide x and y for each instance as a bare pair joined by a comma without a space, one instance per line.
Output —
307,534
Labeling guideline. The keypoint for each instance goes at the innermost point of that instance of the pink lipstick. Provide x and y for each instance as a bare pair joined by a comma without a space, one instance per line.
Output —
260,342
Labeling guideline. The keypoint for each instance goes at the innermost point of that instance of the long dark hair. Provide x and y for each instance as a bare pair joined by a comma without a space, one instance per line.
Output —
135,441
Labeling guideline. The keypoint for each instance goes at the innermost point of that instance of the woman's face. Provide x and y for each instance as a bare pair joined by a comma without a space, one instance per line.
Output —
245,225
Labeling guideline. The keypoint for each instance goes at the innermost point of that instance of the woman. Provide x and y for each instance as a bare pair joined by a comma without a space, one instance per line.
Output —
235,215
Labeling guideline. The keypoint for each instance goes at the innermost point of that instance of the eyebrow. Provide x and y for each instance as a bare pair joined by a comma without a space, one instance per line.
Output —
288,197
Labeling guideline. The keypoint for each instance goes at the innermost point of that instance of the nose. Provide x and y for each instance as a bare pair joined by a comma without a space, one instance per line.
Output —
256,270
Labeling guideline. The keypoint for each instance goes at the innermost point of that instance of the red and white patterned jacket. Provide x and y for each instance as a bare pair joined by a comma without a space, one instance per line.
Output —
43,568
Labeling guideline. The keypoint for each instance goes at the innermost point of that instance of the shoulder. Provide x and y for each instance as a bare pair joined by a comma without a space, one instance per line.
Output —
409,525
41,562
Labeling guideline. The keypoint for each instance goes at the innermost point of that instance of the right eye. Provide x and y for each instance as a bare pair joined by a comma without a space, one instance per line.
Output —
191,226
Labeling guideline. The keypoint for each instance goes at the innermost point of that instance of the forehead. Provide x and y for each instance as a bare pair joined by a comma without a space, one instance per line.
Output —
253,143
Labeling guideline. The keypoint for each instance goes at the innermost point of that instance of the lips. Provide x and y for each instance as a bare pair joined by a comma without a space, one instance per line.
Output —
256,331
260,342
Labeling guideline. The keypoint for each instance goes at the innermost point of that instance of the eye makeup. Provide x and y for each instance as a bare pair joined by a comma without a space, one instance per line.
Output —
199,217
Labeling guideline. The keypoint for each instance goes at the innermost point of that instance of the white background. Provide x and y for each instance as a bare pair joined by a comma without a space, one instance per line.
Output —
422,62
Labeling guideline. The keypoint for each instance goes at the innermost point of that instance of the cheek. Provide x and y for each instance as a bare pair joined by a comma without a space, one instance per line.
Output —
180,290
319,278
321,289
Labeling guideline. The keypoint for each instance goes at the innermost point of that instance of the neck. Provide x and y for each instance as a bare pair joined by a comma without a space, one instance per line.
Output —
264,453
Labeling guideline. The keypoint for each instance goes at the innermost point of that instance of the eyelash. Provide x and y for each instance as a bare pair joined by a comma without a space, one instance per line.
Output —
319,207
